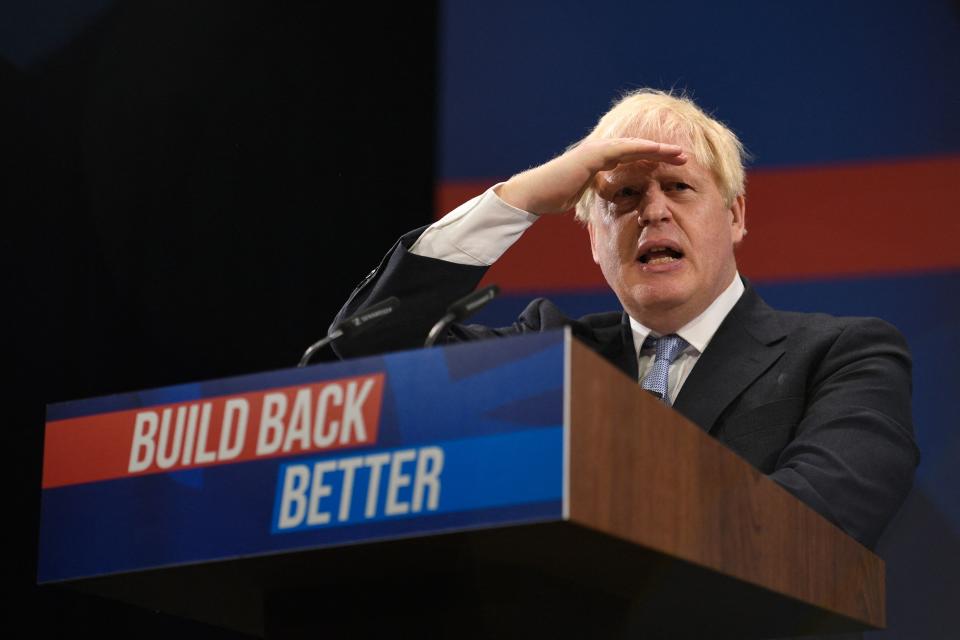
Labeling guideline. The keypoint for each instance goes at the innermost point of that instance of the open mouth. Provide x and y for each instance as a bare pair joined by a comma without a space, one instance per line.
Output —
661,255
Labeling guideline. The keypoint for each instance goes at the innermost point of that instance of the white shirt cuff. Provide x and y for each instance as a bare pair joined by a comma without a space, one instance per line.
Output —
477,232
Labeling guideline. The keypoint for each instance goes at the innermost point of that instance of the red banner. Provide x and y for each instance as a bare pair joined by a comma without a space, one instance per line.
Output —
335,414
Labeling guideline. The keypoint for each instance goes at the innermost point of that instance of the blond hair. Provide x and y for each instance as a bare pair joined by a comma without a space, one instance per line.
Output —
664,117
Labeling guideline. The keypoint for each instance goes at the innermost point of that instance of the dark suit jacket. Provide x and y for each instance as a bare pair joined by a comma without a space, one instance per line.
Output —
821,404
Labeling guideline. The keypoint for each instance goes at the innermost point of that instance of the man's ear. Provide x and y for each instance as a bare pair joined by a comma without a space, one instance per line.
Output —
738,219
593,241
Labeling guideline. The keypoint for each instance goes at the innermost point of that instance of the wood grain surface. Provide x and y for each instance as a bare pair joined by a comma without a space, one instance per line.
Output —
643,473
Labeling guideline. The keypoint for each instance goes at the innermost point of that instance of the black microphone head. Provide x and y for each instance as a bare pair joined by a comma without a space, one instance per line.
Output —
369,317
358,322
459,310
473,302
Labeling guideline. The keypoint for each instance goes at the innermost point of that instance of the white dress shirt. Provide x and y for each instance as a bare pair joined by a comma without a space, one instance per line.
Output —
698,333
481,230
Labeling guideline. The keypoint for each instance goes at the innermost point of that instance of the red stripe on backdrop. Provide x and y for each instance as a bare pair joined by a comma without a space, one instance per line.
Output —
815,222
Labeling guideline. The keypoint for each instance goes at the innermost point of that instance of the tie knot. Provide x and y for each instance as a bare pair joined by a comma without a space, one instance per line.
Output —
668,347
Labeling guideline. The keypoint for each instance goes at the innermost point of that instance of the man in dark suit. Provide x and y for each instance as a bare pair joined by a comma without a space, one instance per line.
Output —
821,404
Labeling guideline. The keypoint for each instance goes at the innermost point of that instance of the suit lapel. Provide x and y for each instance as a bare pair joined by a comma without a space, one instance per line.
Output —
746,344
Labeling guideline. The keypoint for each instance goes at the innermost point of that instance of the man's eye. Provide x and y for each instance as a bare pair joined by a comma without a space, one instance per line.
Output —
679,186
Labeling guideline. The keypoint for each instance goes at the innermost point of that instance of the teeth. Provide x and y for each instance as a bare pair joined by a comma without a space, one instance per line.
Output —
661,260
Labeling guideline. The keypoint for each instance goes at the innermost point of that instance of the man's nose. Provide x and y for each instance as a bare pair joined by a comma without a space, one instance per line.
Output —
654,209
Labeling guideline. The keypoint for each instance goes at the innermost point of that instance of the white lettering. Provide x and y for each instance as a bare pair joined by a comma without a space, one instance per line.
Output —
331,394
203,455
320,491
235,414
144,432
353,411
398,480
293,502
348,466
375,462
307,497
191,434
168,449
298,428
429,466
270,433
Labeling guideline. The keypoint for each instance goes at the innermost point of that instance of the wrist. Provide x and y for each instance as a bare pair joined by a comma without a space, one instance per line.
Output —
507,192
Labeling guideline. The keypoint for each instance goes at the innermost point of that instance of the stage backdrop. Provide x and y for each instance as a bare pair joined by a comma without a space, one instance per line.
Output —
850,111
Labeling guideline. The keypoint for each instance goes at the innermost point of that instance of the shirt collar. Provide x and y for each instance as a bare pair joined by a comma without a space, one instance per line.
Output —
699,331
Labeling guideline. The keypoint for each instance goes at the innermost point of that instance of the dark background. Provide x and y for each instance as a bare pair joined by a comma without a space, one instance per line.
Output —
190,190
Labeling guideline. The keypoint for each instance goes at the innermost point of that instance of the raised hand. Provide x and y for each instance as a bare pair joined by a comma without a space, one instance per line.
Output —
556,186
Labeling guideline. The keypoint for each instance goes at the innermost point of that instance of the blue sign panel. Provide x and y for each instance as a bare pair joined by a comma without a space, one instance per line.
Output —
410,443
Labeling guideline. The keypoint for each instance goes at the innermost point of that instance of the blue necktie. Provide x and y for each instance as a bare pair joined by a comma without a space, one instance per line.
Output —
668,348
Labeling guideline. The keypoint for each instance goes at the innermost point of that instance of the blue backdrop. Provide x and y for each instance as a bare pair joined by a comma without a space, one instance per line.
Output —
808,87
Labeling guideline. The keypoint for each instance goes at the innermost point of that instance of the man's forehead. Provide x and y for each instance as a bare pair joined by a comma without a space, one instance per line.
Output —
630,171
646,169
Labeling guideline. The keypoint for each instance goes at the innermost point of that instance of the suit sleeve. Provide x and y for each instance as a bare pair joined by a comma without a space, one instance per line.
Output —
425,287
853,456
429,268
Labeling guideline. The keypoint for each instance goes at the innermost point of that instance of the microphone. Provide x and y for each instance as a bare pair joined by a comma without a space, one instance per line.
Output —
357,323
461,309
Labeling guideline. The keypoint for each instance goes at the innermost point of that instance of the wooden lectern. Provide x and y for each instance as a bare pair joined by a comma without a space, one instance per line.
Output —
623,519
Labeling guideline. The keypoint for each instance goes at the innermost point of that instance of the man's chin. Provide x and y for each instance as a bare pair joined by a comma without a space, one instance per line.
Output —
661,297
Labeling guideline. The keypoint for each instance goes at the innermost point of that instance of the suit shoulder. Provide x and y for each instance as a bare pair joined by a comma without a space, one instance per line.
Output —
834,342
823,323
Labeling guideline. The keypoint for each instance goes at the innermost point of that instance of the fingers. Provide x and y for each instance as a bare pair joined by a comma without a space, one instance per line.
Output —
616,151
556,186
